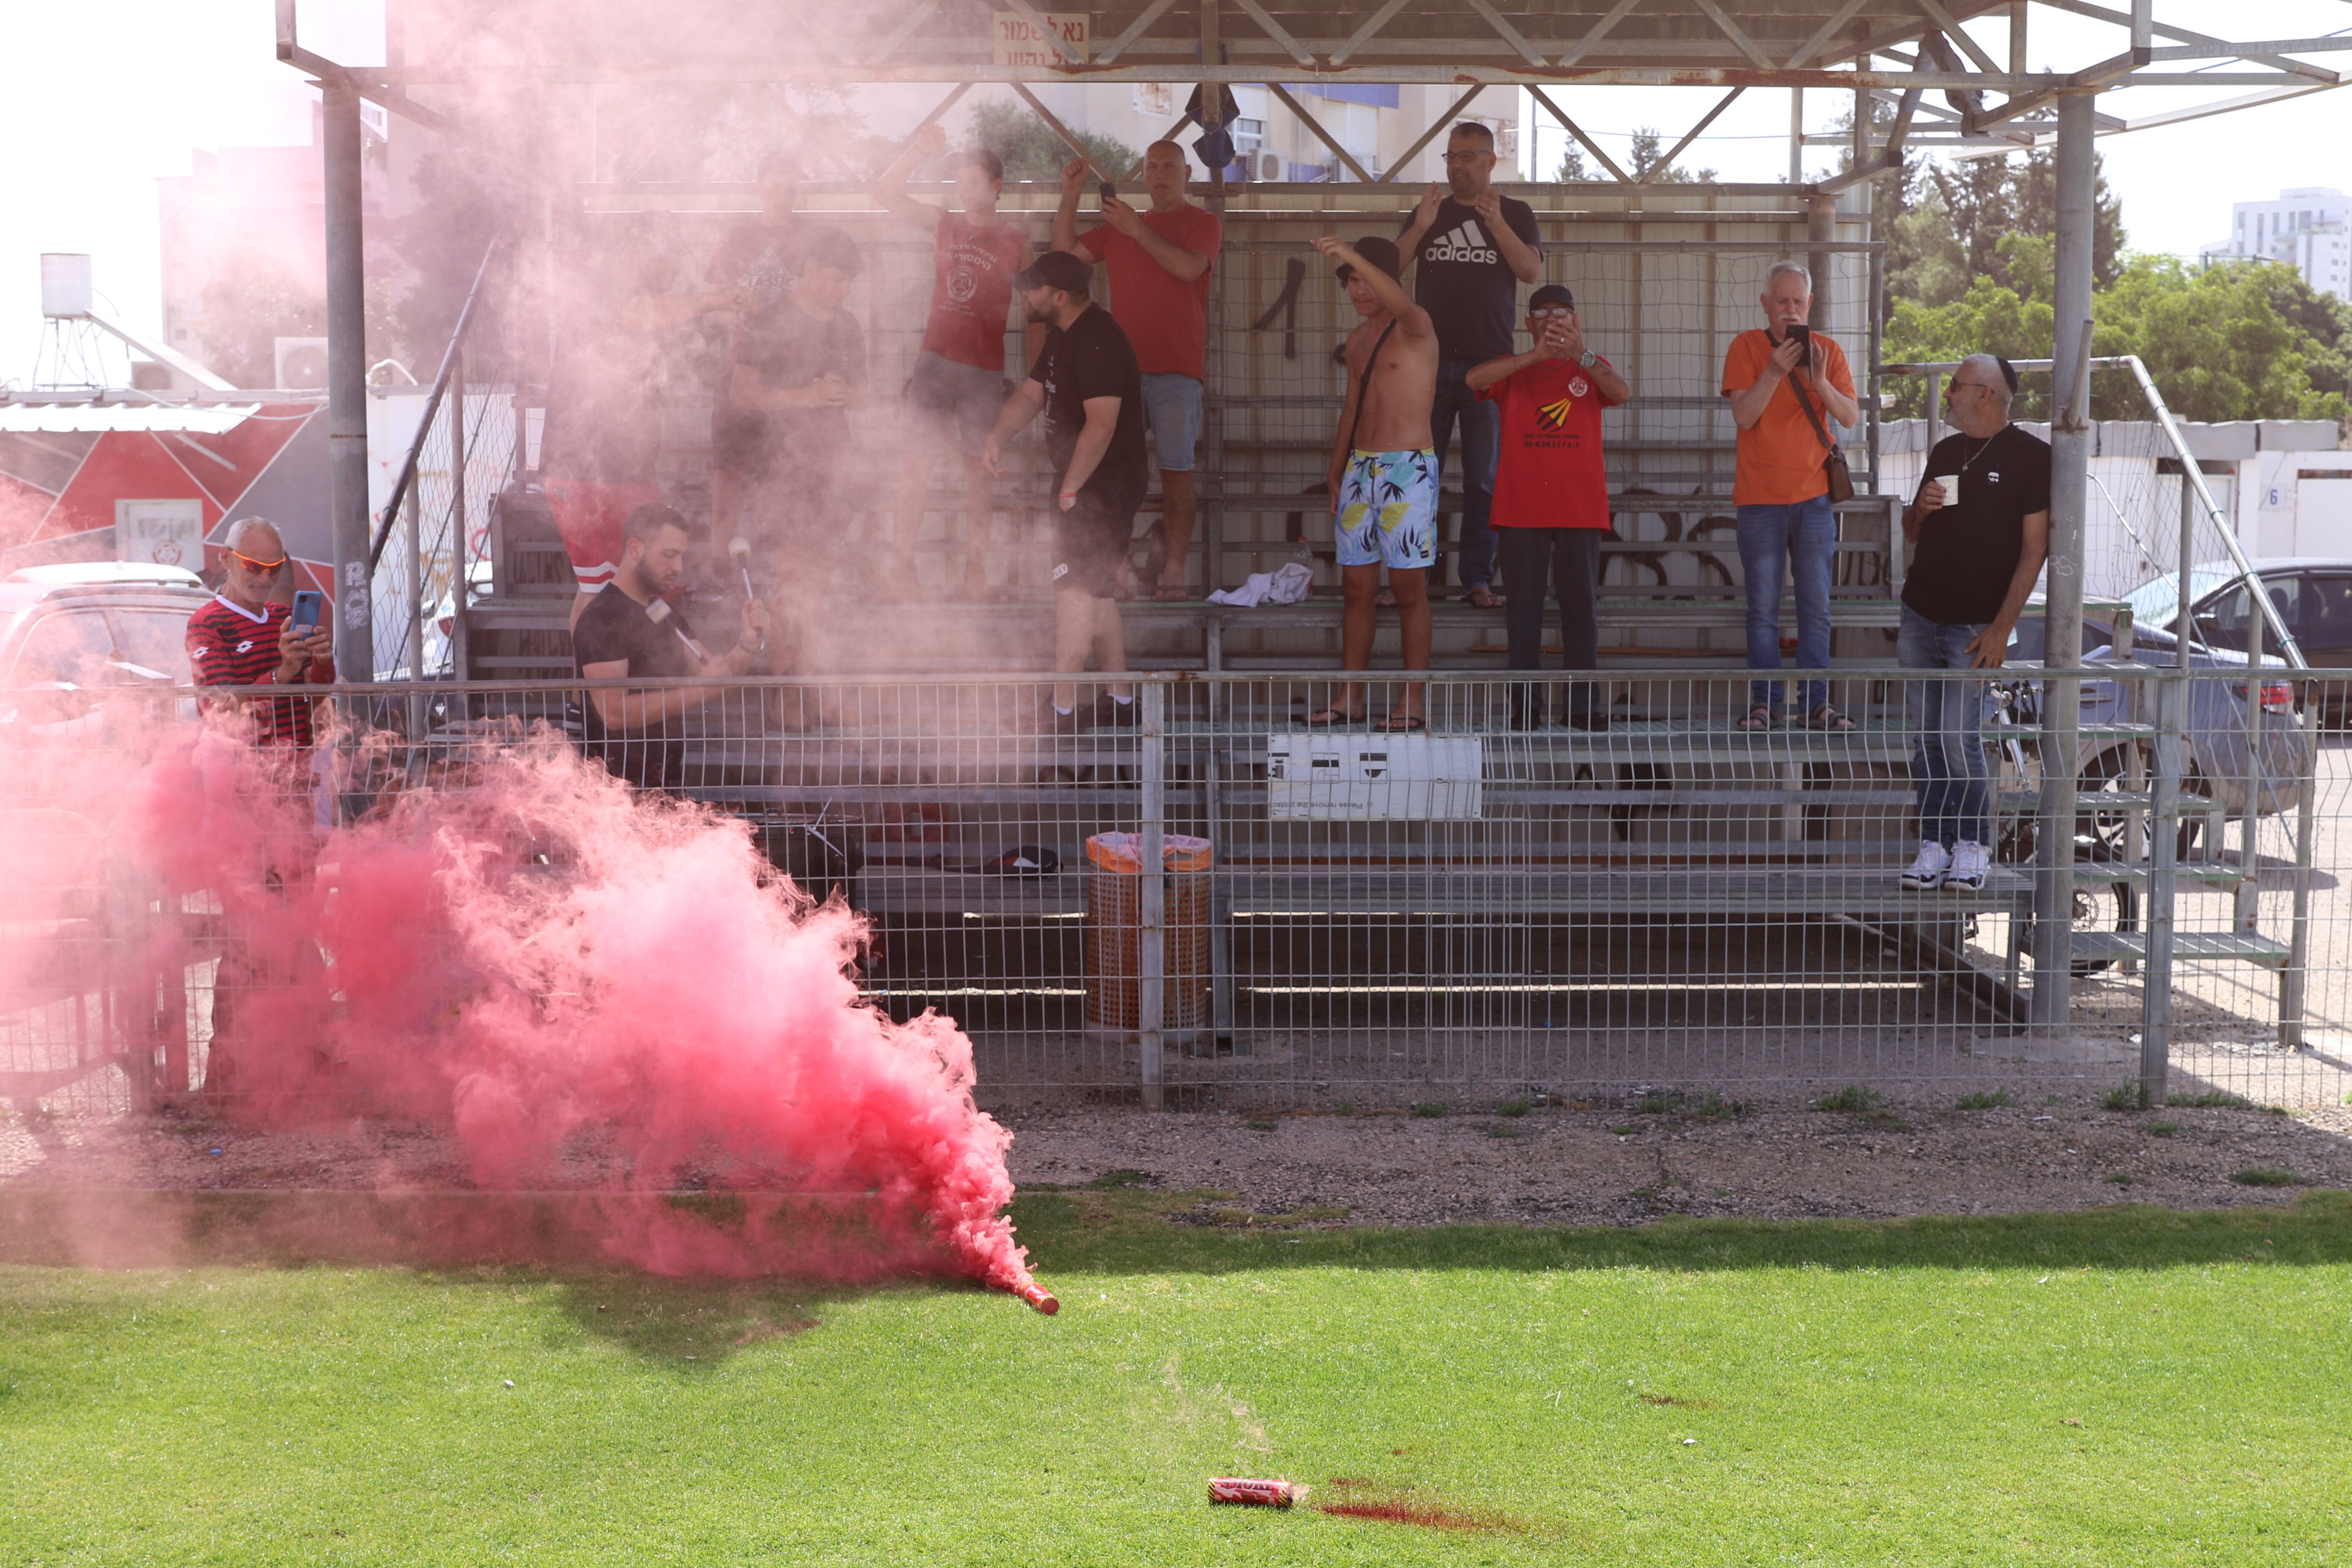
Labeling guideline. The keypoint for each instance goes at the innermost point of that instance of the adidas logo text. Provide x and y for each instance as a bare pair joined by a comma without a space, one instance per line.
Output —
1464,244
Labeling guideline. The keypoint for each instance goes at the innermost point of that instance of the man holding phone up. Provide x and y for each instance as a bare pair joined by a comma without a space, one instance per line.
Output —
246,638
1982,523
1787,385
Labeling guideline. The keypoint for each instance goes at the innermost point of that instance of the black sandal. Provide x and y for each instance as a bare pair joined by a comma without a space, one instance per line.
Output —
1330,718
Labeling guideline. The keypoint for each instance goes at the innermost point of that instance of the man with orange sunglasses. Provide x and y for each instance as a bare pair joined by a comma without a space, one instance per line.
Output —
246,638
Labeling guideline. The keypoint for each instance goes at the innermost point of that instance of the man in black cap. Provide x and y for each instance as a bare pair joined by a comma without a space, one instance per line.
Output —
1085,381
1551,496
1383,474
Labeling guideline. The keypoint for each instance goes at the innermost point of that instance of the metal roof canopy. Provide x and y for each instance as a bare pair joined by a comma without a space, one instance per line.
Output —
1899,48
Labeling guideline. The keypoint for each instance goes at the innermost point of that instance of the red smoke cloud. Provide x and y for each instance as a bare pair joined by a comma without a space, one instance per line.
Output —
570,978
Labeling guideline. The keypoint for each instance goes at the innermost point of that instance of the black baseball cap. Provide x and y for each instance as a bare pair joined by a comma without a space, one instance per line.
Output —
1380,253
1056,270
1551,294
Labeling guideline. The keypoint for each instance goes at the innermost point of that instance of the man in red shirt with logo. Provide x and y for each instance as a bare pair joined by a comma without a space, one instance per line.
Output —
1160,261
244,638
1551,497
957,387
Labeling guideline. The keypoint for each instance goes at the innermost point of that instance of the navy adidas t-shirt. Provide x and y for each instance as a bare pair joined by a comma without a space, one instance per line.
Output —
1461,279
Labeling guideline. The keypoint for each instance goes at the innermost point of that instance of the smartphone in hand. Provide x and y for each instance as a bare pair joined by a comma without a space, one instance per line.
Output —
1106,193
1802,336
308,604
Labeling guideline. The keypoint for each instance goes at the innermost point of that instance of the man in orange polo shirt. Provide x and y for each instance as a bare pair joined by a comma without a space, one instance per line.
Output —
1784,380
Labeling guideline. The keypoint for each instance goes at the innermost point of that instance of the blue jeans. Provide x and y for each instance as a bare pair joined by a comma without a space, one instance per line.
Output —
1948,753
1482,449
1769,536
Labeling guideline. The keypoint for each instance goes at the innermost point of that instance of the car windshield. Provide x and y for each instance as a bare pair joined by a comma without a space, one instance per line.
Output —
2154,606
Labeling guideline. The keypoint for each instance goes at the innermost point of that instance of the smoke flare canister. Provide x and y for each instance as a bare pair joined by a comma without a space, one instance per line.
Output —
1254,1493
1037,1296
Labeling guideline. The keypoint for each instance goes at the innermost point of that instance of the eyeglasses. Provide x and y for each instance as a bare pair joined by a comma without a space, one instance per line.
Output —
1549,314
1471,152
253,565
1952,387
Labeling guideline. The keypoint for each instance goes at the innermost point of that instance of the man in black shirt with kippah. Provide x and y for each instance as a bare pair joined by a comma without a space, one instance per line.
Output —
1982,523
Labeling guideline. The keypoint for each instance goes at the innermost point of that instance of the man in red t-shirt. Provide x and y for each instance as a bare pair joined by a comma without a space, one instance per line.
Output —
957,386
1551,497
245,638
1159,262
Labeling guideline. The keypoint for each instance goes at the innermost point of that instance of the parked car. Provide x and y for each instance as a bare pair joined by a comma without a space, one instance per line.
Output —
69,632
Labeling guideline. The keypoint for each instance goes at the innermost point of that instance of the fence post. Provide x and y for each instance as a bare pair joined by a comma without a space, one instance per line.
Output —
2164,851
461,658
2298,947
1151,937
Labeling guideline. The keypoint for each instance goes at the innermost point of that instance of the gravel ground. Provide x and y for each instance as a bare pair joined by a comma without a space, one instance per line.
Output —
1579,1164
1592,1165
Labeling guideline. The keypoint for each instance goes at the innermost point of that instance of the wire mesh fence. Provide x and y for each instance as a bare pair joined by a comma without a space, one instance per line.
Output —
1201,899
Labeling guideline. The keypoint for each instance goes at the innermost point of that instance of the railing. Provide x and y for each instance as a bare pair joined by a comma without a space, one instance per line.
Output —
1487,906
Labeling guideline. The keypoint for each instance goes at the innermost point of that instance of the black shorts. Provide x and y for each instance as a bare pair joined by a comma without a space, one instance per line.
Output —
1091,540
739,440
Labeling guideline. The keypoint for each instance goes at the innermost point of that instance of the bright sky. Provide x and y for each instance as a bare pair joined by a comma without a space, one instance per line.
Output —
105,97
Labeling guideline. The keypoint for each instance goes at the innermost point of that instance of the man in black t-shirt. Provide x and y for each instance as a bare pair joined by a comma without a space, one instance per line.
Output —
801,368
1471,247
628,629
1982,523
1087,384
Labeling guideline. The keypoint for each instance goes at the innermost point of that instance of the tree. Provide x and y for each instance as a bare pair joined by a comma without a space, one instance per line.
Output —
2214,340
1648,156
1032,151
1572,166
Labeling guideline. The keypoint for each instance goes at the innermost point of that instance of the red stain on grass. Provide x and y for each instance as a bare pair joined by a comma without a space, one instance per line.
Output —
1397,1509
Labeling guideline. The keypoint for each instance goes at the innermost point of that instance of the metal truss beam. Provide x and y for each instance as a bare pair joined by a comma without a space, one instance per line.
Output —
1440,124
1315,126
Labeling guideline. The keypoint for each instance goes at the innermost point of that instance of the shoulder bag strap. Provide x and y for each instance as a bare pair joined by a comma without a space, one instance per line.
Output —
1807,404
1371,363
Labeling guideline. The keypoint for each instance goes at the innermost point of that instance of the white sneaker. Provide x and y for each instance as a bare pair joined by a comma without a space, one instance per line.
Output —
1969,863
1928,870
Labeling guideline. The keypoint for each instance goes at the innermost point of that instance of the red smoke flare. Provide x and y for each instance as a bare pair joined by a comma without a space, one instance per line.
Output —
548,965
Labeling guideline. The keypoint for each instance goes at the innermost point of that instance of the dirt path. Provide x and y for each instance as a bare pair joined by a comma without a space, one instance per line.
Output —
1577,1164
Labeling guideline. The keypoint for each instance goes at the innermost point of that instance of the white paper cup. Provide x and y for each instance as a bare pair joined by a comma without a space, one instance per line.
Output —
1952,484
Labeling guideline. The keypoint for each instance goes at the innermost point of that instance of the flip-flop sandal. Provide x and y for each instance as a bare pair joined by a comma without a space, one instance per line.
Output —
1385,598
1759,717
1330,718
1826,717
1484,598
1402,724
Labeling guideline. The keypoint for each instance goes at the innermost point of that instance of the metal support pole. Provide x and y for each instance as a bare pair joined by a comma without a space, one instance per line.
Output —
347,455
461,586
1151,937
2291,985
2163,836
2070,467
1821,224
2247,906
1796,136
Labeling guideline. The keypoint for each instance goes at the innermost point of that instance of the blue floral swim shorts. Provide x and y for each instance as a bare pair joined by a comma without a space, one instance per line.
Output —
1388,510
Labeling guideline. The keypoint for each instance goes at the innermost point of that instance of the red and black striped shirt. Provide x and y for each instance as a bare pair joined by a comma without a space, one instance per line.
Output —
229,645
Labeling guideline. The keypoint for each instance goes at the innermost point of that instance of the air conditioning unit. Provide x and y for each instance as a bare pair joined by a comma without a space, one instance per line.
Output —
302,362
1267,166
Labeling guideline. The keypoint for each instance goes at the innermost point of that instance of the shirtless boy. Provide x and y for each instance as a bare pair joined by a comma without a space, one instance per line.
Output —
1383,474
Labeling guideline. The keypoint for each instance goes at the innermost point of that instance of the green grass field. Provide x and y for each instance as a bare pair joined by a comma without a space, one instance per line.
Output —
2122,1386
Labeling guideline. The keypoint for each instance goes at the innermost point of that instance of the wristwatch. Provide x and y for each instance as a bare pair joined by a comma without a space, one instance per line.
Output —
1587,358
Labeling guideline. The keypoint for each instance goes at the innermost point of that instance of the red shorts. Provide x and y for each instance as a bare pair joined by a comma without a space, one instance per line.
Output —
589,514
